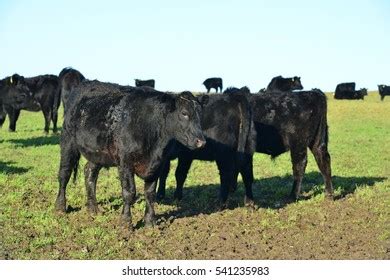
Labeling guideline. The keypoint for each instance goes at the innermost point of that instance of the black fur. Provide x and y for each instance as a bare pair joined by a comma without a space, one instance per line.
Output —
287,121
132,128
228,127
45,90
285,84
215,83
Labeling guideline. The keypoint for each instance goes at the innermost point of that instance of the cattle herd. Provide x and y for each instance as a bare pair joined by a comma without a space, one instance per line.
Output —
140,130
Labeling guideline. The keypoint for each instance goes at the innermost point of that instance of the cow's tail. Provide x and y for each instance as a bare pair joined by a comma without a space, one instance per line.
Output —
321,137
245,127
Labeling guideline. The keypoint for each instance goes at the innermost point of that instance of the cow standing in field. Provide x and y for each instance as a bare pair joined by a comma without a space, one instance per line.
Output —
383,91
284,84
215,83
45,90
228,128
286,121
131,128
15,95
347,91
69,78
142,83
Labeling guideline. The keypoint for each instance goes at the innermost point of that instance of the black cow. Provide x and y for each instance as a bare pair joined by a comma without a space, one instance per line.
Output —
15,95
347,91
229,132
69,78
285,84
215,83
286,121
383,91
141,83
133,129
45,91
234,90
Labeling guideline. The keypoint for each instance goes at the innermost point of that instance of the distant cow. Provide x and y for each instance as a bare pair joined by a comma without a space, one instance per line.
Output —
383,91
45,90
233,90
141,83
15,95
285,84
347,91
215,83
230,135
133,129
69,78
285,121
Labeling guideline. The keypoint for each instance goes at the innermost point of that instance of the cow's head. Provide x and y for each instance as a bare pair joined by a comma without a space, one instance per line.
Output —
17,94
381,87
185,119
296,83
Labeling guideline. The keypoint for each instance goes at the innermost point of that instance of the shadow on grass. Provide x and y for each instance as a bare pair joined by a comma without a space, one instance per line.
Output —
270,192
7,168
36,141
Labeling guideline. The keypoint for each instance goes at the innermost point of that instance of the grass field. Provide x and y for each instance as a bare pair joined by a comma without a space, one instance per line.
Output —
354,226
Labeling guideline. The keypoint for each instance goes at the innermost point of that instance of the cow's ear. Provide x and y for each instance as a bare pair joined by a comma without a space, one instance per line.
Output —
203,100
169,101
15,79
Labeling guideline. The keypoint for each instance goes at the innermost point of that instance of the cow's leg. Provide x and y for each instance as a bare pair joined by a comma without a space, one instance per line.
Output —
128,194
3,116
382,97
54,118
150,194
91,172
68,163
228,173
162,180
208,90
246,171
47,116
183,166
322,157
13,115
299,161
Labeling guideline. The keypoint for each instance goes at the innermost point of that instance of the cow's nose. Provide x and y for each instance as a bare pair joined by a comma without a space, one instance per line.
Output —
200,143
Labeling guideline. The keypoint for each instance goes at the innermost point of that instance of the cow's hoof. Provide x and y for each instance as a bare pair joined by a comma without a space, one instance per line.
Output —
177,196
60,207
150,224
126,222
160,196
11,130
248,202
93,208
329,196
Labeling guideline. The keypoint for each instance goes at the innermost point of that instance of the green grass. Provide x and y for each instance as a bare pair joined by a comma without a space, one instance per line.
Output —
354,226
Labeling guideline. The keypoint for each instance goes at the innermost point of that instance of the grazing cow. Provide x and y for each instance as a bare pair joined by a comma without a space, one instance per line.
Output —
131,128
383,91
285,121
46,92
15,95
141,83
69,78
347,91
228,128
215,83
285,84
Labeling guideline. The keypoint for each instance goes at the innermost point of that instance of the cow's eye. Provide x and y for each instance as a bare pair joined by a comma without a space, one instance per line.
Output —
185,114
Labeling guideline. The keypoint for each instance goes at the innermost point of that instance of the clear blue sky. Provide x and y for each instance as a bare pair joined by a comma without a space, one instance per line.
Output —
181,43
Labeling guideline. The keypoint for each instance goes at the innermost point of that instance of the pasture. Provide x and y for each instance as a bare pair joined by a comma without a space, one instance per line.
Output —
356,225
